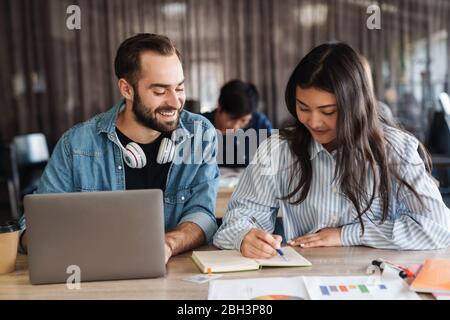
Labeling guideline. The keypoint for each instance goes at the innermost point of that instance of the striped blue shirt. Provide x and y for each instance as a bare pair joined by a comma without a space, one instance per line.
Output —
409,226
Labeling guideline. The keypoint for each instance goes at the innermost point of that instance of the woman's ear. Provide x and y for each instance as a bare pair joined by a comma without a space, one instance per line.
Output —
126,90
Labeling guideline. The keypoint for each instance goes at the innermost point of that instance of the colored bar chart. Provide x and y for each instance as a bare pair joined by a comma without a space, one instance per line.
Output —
357,288
340,288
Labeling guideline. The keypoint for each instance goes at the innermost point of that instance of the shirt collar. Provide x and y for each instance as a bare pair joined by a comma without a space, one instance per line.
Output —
315,148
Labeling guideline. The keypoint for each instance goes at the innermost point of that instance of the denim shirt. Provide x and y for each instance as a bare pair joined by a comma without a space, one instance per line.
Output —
88,158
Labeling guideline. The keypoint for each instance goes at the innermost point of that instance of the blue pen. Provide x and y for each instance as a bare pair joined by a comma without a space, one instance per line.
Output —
256,224
280,252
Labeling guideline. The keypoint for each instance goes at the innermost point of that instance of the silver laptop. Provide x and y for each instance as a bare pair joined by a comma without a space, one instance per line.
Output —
107,235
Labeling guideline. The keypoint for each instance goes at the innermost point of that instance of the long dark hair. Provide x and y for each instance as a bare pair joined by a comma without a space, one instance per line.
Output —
361,142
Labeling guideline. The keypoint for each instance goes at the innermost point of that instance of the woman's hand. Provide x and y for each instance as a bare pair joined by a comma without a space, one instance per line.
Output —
327,237
258,244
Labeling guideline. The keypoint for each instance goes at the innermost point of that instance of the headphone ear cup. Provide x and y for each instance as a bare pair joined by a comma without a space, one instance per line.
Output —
172,151
166,151
129,159
161,152
135,157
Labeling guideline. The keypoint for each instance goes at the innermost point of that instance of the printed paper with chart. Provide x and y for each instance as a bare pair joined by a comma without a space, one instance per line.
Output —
358,288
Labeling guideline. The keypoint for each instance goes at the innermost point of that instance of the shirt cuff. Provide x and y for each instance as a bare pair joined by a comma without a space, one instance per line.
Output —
351,235
204,221
23,228
240,236
21,248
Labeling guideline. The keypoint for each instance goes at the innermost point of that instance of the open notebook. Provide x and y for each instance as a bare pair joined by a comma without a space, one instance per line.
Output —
232,260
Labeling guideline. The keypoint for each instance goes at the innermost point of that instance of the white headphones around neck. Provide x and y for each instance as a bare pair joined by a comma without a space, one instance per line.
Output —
135,158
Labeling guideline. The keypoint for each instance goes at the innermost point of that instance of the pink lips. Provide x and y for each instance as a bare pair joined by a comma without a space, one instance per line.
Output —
319,133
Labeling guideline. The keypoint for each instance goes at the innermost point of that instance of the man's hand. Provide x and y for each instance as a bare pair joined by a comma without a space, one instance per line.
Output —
259,244
186,236
168,251
326,237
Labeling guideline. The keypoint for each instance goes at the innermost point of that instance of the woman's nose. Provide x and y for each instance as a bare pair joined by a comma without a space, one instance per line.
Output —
315,121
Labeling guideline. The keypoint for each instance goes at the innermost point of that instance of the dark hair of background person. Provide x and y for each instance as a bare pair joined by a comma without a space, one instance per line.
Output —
361,142
238,98
127,61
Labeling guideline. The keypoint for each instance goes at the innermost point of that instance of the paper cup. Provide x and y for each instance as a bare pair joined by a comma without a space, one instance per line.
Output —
9,240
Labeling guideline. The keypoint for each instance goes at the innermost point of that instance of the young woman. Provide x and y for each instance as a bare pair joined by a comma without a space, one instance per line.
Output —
342,175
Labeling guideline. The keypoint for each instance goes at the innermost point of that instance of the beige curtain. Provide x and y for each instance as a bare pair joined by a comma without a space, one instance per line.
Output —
52,77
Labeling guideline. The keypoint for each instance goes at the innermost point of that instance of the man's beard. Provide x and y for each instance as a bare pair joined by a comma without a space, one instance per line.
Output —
149,119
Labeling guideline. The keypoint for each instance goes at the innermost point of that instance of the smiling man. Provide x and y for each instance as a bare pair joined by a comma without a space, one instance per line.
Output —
127,147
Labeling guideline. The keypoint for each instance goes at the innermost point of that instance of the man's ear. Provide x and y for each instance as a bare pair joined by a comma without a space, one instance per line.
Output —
126,90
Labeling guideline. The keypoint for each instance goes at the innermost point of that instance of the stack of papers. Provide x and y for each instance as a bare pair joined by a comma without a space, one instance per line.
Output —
315,288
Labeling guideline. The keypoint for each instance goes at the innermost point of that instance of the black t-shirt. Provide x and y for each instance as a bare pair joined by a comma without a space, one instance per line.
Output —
153,175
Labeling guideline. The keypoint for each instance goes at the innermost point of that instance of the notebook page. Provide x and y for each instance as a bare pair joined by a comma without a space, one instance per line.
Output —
291,258
223,261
